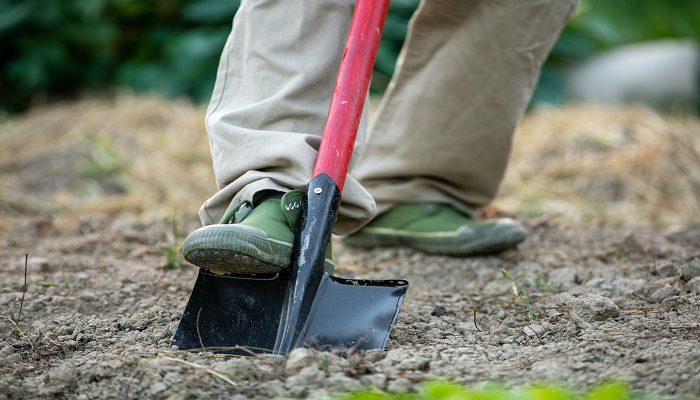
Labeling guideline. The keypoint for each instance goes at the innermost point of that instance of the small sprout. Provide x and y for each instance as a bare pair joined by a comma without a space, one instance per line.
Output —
517,291
171,249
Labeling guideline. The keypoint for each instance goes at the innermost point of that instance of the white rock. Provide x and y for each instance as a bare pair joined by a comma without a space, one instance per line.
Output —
593,307
655,73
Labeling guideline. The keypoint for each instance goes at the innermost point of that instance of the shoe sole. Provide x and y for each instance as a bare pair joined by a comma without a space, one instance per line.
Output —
245,250
464,242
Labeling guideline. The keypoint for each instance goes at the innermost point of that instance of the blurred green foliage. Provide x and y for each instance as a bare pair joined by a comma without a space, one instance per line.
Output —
50,49
63,47
444,390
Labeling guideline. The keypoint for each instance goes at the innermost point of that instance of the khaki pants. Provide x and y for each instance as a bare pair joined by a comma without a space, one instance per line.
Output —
442,133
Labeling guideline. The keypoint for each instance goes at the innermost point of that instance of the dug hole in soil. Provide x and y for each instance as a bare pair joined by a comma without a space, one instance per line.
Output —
598,300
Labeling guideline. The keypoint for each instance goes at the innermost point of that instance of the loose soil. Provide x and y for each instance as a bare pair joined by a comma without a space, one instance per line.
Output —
601,296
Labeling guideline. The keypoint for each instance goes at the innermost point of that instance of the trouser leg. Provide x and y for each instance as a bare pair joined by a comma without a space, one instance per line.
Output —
464,77
270,103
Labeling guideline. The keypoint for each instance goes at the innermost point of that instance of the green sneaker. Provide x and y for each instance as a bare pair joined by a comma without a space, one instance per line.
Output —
249,240
438,229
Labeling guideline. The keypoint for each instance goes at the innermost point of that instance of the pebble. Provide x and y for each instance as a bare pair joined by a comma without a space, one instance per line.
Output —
308,378
594,307
561,276
533,330
157,387
693,285
400,385
374,380
299,359
373,356
64,374
341,383
690,269
12,359
666,269
7,350
663,293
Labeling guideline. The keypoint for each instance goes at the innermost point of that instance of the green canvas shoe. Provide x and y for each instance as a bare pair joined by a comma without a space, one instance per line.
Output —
438,229
250,240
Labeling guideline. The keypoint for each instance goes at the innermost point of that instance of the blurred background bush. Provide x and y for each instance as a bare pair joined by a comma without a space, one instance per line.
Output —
54,49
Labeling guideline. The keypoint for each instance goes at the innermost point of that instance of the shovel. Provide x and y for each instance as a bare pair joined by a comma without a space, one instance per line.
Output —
304,306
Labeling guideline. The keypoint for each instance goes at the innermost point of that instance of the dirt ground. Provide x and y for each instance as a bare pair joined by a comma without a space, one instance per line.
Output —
612,277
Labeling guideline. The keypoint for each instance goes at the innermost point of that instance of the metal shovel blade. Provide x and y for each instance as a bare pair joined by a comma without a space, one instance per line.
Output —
241,315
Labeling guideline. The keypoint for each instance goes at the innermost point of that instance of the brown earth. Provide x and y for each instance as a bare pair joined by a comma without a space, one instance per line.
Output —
611,267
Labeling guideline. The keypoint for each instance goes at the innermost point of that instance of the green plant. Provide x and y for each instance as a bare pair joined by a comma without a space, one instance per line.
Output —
443,390
171,248
517,291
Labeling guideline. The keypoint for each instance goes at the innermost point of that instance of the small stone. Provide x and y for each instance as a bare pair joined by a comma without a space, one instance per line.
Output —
374,380
400,385
593,307
374,355
667,268
438,311
342,383
561,276
693,285
157,387
299,359
691,269
534,330
7,350
308,378
64,374
12,359
663,293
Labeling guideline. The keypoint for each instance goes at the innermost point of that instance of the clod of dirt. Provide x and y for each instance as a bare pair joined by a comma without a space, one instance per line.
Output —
691,269
64,374
299,359
693,285
664,293
667,269
438,311
594,307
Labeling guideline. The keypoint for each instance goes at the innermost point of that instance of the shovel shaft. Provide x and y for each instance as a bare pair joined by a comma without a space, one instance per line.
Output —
351,90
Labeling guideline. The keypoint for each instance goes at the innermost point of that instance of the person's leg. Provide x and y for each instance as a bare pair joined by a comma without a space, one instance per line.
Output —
443,131
265,118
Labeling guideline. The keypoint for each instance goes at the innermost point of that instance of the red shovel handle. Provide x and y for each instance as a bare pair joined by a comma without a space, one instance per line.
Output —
351,90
